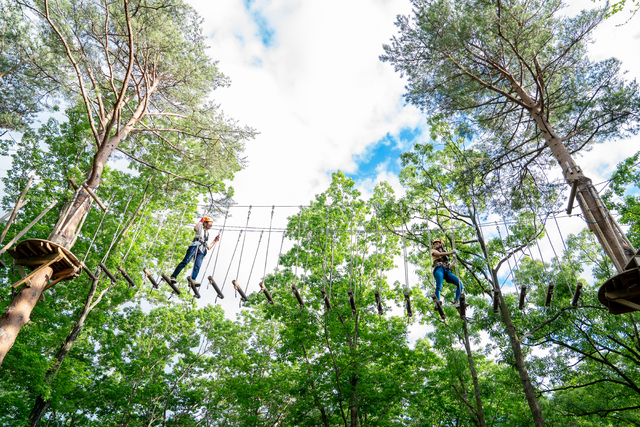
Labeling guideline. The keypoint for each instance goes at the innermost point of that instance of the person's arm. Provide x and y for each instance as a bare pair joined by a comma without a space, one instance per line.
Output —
439,254
197,227
214,242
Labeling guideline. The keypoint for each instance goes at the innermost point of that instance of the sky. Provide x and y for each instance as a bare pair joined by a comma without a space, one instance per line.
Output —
306,76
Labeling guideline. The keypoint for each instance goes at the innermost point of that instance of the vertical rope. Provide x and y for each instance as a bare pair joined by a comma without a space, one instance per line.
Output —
275,275
98,229
404,251
224,224
266,258
243,241
175,238
295,274
254,261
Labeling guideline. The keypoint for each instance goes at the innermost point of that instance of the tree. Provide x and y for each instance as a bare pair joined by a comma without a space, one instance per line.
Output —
354,367
518,73
23,87
140,70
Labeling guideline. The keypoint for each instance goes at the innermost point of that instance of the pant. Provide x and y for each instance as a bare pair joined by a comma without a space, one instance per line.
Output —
441,273
191,252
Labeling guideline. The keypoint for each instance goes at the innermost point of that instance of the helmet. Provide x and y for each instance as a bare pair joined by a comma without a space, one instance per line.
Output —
436,240
207,219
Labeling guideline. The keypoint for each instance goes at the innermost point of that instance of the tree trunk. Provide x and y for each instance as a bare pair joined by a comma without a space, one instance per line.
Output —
474,375
41,405
521,367
18,313
529,391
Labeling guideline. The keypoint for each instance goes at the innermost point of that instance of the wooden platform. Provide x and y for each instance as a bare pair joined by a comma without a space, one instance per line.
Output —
36,254
621,293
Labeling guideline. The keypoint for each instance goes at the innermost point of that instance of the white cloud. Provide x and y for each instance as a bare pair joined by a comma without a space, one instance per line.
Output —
319,96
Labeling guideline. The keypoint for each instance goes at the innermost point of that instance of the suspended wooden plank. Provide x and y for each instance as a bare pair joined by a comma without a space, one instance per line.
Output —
106,271
194,286
352,301
379,303
407,301
547,302
37,270
35,253
463,306
266,293
523,295
86,270
438,306
325,299
149,276
243,297
126,277
297,295
215,287
171,283
576,296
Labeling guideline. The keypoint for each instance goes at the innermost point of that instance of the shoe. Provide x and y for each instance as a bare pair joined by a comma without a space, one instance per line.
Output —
173,280
457,304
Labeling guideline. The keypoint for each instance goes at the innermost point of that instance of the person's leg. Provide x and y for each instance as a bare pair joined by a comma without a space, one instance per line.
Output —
197,264
191,251
451,278
438,274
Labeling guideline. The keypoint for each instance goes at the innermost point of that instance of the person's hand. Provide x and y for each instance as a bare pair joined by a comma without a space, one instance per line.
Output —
202,219
217,238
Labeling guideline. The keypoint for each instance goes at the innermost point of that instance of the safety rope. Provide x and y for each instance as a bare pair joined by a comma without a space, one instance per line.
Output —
175,238
98,229
295,274
243,241
115,235
254,263
266,258
275,275
231,262
215,264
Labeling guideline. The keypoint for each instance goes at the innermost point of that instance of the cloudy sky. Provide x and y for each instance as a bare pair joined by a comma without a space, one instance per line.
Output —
306,75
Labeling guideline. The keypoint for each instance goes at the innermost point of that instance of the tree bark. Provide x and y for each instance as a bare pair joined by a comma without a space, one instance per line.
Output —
474,376
19,311
41,405
598,218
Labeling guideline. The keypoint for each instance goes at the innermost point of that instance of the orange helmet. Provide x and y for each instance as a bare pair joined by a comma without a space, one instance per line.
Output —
207,219
436,240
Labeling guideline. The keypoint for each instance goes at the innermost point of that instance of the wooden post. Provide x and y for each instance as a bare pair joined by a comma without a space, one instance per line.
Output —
150,278
325,299
170,283
407,300
89,272
379,303
8,214
352,301
523,294
108,273
463,306
194,288
215,287
439,309
576,296
572,196
298,297
547,302
266,293
14,213
126,277
243,297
